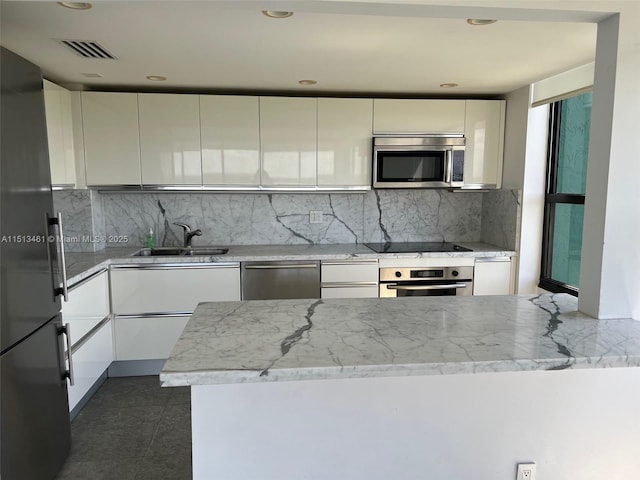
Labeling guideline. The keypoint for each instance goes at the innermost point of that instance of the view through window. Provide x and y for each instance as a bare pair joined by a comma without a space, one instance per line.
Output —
570,122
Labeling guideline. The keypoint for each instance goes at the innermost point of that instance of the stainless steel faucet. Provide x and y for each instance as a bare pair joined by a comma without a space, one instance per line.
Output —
188,233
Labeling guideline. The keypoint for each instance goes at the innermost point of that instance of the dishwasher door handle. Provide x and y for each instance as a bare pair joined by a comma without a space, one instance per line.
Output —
276,267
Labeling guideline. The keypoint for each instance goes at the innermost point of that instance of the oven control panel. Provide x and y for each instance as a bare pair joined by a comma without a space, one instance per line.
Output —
426,273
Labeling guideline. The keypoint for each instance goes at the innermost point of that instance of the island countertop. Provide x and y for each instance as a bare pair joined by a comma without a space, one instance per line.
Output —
287,340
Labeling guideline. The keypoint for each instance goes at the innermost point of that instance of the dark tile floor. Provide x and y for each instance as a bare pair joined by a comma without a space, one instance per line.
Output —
132,429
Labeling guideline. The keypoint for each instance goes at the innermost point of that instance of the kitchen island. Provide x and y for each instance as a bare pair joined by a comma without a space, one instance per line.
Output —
407,388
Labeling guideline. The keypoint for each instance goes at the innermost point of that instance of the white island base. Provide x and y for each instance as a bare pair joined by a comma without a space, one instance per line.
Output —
412,388
573,423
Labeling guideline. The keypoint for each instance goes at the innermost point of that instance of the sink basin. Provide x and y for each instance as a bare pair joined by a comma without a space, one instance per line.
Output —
180,251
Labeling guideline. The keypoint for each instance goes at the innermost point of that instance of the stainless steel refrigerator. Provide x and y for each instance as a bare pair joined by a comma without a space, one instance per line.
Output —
34,424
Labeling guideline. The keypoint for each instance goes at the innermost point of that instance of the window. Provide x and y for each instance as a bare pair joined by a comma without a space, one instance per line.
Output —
569,125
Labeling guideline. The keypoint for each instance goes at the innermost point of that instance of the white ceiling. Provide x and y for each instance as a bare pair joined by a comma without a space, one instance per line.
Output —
228,46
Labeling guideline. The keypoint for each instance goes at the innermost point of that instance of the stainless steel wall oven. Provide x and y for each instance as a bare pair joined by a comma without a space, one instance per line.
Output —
426,281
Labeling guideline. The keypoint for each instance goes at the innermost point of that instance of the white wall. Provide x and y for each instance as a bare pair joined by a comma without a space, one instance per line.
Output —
575,424
533,192
610,275
524,169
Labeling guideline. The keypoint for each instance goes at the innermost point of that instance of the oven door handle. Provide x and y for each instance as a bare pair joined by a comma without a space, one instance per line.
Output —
426,287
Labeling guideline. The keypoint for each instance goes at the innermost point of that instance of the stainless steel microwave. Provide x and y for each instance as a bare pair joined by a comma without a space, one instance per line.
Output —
427,161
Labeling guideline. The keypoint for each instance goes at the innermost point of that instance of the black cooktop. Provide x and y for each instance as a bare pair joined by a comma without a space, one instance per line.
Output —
409,247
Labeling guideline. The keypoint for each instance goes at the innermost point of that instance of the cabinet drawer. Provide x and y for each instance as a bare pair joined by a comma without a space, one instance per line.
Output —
349,271
88,299
90,361
88,305
172,289
147,338
358,291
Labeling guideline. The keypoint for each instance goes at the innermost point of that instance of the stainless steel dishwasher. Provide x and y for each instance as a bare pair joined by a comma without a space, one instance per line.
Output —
280,280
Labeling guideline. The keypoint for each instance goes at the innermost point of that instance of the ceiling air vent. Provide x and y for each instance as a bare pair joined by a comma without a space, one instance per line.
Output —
88,48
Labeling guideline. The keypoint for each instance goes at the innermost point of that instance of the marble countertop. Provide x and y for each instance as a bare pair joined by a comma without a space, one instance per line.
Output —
83,265
284,340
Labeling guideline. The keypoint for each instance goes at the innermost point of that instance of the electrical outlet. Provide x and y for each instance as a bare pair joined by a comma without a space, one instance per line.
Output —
315,216
526,471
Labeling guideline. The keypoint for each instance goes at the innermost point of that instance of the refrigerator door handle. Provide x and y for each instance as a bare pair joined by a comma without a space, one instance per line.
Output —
62,262
66,330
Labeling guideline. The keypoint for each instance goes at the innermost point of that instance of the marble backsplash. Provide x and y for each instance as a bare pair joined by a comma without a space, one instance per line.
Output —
501,218
118,219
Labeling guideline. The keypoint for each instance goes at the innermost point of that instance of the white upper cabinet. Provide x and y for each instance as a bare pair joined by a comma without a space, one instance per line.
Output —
344,142
170,139
418,116
288,136
230,132
111,140
57,102
484,132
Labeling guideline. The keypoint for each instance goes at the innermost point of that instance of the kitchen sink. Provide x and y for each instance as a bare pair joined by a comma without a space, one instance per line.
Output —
180,251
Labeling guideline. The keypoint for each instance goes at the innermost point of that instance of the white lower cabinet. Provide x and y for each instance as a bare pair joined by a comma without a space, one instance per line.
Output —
152,289
349,279
143,338
87,314
90,360
152,303
492,276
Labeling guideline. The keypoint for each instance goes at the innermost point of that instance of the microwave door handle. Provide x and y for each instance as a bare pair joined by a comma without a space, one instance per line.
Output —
427,287
448,166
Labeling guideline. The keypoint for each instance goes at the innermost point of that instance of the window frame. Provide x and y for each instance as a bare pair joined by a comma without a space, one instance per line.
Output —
551,199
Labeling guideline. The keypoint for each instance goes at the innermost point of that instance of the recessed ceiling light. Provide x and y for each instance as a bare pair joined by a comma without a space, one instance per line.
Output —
156,78
93,75
480,21
307,82
277,13
76,5
449,85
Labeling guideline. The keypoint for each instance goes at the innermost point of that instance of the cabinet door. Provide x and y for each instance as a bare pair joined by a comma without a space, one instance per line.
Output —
492,276
170,139
288,141
111,139
57,102
171,289
147,338
90,361
418,116
484,132
230,130
344,142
